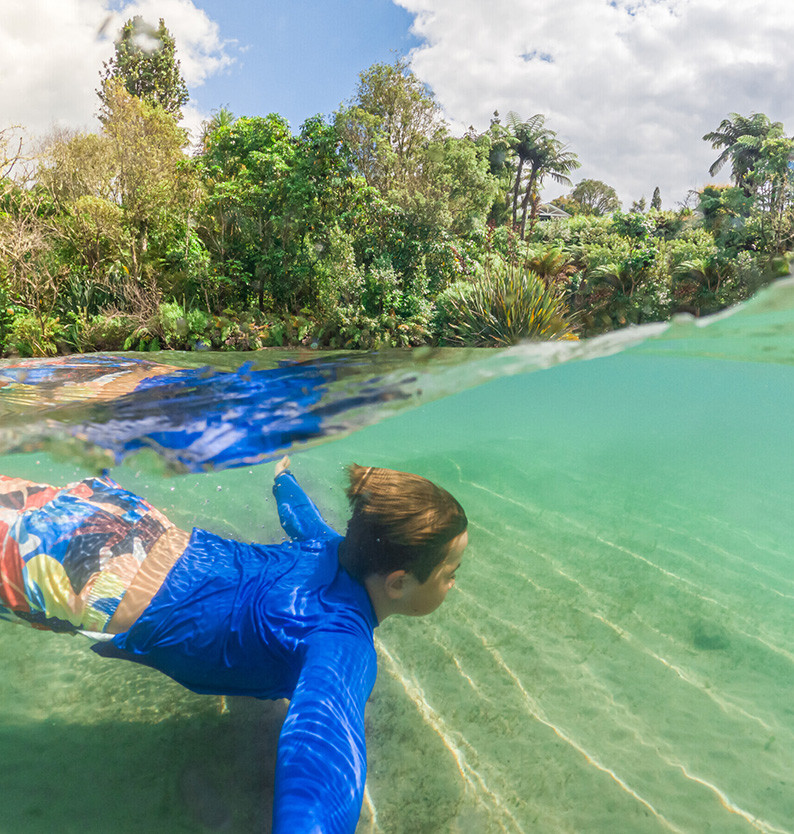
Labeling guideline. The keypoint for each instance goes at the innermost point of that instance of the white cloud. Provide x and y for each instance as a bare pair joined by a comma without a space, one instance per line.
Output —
200,49
630,85
51,53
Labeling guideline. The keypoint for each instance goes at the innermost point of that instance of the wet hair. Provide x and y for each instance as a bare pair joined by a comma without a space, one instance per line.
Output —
399,521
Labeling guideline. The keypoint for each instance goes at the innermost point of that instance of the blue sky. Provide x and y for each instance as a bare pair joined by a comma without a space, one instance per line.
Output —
630,85
299,57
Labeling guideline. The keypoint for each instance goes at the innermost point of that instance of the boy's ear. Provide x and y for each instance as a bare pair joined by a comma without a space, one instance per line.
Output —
394,584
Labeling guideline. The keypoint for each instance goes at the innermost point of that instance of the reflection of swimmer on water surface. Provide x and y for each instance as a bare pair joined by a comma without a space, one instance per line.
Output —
219,616
63,379
194,418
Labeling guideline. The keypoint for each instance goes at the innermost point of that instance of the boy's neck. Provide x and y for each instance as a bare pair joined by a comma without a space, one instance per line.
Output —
381,604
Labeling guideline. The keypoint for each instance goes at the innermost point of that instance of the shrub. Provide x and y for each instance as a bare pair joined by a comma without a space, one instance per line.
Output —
6,316
107,331
35,334
502,308
170,325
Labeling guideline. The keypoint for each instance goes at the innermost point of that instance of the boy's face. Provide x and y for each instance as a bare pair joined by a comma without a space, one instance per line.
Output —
422,598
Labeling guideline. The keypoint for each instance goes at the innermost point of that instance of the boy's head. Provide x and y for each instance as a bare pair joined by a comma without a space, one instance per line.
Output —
400,523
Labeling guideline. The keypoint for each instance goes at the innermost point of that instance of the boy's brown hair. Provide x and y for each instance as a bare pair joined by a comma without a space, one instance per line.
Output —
400,521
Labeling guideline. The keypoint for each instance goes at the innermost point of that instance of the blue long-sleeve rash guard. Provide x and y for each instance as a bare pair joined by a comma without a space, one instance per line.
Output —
275,621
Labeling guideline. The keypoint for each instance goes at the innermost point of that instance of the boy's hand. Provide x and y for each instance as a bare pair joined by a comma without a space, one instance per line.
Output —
282,465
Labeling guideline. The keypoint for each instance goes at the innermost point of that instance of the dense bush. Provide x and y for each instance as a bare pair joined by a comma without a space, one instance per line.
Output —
348,234
501,308
35,334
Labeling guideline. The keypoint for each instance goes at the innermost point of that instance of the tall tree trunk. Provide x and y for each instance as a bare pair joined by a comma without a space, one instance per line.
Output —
528,195
533,212
515,191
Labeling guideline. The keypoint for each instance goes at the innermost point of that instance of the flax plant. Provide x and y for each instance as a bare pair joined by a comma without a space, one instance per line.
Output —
505,307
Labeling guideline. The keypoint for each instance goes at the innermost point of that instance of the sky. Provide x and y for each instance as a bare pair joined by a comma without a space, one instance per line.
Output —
630,86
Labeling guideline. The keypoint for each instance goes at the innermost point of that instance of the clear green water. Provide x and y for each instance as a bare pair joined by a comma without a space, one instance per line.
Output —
617,656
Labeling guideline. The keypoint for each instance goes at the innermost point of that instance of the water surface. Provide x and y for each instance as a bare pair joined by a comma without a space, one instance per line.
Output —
616,656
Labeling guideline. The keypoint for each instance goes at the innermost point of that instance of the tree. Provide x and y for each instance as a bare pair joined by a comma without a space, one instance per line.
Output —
725,210
145,63
152,181
400,144
741,137
123,198
30,271
771,183
761,156
540,154
29,267
273,202
656,200
80,172
461,181
10,151
388,124
244,166
78,165
591,197
432,186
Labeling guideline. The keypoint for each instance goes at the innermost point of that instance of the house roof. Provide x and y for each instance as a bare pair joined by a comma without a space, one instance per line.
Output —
547,211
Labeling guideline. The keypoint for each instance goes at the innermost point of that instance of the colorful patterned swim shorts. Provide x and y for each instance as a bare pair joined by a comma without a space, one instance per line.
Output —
67,555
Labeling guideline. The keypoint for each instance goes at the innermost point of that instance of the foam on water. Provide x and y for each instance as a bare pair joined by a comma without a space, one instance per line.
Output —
617,654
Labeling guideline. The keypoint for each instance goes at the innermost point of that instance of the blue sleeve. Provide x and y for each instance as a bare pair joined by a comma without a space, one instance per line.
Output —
299,517
322,756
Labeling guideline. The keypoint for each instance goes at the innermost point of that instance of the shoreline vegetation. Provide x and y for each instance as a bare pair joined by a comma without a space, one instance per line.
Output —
374,227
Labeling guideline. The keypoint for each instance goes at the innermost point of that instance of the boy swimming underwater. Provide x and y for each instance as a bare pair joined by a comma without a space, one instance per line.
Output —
292,620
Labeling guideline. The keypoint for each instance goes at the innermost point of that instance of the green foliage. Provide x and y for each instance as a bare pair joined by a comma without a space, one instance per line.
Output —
539,154
760,155
101,331
720,202
697,282
726,211
381,229
378,307
7,313
690,245
549,264
270,200
635,225
625,271
608,249
400,146
573,233
742,139
145,63
35,334
121,201
170,324
197,323
656,200
502,308
387,127
154,186
590,197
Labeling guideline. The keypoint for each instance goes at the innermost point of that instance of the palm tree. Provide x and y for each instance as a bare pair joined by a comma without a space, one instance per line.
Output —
742,138
709,271
540,153
222,118
549,263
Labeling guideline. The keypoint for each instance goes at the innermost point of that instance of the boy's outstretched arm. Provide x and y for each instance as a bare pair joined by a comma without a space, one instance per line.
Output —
322,757
299,517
